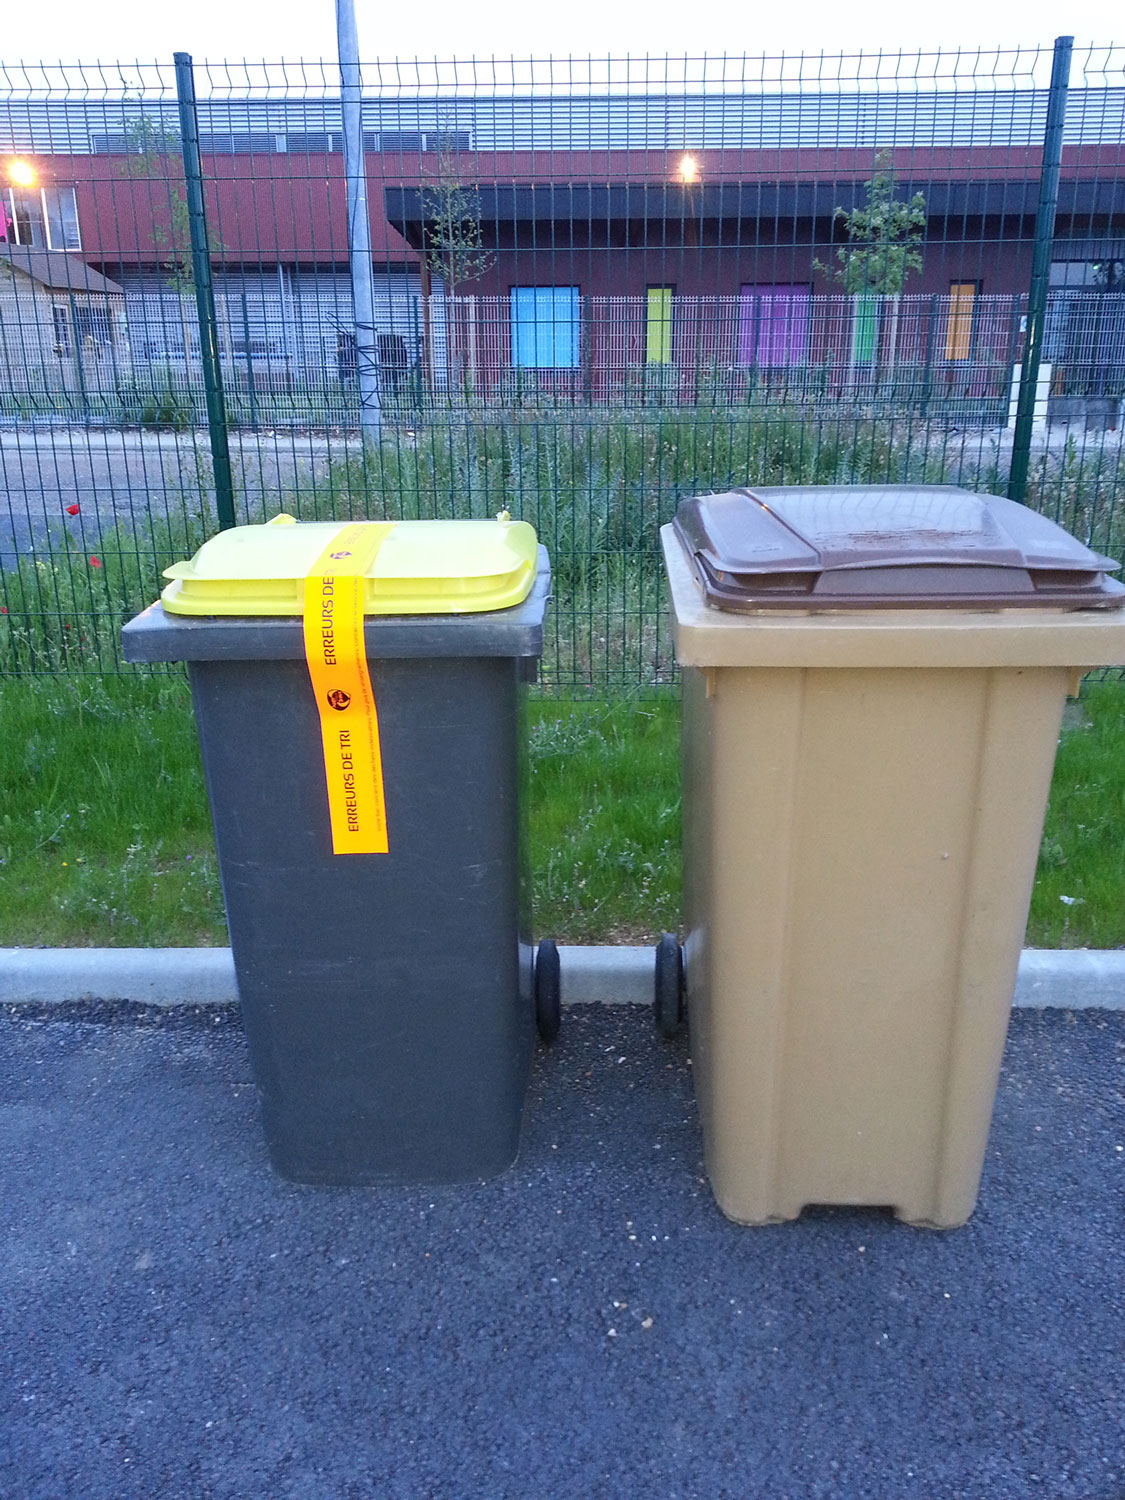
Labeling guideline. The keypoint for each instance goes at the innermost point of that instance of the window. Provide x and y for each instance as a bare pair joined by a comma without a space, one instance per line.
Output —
448,140
112,143
259,346
414,140
400,140
235,143
91,323
300,141
545,327
62,218
959,326
1071,273
658,331
43,220
1106,275
62,330
27,219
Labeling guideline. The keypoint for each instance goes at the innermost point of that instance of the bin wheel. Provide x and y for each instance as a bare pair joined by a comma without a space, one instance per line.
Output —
668,1000
548,991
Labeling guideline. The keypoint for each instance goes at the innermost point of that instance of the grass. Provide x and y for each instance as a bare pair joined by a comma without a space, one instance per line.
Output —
1079,898
595,484
105,837
605,820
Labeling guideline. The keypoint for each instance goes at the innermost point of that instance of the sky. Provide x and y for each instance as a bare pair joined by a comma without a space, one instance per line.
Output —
75,30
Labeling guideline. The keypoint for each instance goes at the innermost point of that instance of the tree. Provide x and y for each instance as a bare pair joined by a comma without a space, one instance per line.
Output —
153,152
884,237
452,241
454,246
884,248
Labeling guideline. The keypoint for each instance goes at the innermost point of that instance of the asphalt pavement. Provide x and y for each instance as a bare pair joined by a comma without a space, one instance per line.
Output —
129,477
177,1321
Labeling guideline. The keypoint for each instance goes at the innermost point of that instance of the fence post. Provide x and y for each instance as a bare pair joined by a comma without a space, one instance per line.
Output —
418,355
1040,267
249,365
931,331
359,226
204,293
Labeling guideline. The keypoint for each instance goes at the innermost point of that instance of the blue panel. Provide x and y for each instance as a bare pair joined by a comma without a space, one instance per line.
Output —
523,327
545,327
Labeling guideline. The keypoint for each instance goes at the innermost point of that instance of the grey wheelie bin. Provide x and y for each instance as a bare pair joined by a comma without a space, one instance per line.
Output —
388,994
873,681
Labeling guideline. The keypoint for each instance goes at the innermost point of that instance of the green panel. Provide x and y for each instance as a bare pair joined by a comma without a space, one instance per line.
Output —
865,328
658,334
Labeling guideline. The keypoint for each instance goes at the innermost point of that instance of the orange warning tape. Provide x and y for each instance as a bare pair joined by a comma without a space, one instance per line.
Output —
337,662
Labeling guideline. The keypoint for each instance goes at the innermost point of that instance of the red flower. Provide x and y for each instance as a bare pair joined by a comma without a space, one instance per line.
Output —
72,510
3,609
95,562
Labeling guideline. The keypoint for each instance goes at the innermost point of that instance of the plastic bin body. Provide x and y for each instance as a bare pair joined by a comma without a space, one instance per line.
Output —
387,998
864,797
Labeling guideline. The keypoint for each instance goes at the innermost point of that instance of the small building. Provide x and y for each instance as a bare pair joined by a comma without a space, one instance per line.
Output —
62,332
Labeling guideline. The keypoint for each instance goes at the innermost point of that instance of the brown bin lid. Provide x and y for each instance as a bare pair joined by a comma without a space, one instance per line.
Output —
886,546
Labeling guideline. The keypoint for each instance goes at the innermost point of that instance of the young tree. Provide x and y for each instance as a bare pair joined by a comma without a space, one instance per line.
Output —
153,152
884,237
454,247
884,249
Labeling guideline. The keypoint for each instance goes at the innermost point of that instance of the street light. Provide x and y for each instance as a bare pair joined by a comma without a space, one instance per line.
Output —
688,173
21,173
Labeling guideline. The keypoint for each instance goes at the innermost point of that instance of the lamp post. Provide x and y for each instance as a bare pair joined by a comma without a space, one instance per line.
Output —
359,227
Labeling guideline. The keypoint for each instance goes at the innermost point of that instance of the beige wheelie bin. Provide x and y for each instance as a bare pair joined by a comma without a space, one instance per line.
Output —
873,683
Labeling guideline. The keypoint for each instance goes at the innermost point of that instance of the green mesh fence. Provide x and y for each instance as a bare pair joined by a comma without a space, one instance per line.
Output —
596,287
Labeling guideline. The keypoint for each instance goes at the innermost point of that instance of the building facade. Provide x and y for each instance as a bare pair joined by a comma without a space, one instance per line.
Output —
632,247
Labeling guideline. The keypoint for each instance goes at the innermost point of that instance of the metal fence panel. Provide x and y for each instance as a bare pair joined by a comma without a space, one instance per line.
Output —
600,286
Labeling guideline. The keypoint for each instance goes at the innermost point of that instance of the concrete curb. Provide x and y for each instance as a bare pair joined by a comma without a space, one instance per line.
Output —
1070,979
148,976
606,976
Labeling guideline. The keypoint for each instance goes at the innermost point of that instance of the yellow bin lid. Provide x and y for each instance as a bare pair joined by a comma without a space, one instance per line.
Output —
421,568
